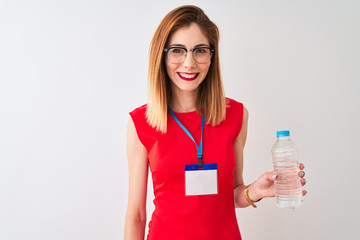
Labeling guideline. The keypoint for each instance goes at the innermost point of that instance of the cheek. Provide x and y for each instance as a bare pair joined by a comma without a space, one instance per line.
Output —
168,71
205,69
169,68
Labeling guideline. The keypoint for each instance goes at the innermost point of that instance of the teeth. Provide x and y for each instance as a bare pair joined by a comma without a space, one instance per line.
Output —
185,75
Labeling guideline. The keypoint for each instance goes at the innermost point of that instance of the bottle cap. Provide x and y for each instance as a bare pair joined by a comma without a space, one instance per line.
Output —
285,133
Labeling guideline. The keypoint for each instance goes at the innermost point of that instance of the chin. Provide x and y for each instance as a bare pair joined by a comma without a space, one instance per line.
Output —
188,87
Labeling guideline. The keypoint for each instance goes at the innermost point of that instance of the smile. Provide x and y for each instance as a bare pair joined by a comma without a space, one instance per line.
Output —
188,76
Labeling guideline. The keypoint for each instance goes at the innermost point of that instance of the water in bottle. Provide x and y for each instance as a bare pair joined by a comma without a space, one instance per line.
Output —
288,188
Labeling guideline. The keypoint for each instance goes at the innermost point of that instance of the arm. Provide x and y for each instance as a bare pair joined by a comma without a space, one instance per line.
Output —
239,187
264,185
135,221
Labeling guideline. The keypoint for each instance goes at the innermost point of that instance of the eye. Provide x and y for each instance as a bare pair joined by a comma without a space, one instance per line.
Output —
177,50
201,50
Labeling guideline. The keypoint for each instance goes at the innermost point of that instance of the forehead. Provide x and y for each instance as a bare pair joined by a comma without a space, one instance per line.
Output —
189,36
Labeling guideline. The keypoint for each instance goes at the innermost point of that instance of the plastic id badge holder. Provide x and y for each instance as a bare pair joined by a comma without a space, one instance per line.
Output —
201,181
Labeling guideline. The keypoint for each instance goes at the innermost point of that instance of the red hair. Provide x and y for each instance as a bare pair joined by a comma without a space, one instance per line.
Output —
211,98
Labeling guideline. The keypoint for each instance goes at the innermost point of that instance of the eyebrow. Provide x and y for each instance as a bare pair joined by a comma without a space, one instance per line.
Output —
196,46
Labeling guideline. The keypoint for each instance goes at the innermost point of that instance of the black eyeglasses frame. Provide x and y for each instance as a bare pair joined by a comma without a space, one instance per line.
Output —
188,49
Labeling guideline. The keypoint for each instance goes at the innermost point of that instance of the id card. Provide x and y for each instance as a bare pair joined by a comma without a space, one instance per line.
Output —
201,181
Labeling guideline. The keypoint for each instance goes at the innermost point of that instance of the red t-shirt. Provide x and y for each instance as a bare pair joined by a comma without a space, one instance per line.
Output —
177,216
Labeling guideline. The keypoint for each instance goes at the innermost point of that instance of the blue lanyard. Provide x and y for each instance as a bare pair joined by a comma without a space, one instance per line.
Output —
198,148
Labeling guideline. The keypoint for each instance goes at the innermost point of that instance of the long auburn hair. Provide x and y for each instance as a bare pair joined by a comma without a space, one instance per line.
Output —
211,97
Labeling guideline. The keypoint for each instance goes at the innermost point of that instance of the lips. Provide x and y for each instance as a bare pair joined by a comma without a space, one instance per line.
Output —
188,76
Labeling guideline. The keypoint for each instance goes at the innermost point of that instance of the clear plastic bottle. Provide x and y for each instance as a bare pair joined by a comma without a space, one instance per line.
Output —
288,188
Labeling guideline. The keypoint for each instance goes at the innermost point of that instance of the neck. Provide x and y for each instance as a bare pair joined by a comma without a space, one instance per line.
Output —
183,101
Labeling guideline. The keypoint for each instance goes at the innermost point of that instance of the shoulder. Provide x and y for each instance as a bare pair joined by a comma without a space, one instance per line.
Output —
137,125
139,110
236,109
234,106
232,102
138,118
236,116
138,114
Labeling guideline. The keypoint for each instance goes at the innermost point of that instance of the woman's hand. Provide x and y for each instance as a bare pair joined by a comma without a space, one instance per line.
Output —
264,186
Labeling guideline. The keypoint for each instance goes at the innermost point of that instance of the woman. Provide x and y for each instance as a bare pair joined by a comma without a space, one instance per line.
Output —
192,137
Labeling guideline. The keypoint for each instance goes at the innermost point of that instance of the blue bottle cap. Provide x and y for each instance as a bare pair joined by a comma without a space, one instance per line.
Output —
285,133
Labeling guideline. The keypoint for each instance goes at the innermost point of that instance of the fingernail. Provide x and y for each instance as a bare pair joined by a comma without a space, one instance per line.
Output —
304,180
302,174
274,176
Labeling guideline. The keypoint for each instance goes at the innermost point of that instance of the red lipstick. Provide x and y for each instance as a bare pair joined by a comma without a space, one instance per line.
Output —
186,78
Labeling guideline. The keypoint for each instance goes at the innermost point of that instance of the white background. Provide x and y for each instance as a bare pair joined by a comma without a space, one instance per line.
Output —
70,71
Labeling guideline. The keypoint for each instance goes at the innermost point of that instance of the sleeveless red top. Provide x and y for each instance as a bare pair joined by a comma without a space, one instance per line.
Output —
177,216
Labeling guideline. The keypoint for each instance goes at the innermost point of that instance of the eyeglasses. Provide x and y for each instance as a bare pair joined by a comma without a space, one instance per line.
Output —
178,55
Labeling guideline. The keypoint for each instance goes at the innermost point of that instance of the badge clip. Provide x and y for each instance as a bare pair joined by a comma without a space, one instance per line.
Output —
200,164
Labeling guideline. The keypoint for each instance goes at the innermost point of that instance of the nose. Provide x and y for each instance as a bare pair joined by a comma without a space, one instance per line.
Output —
189,61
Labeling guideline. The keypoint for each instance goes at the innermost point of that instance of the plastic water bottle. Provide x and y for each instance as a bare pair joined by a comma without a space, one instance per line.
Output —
288,188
